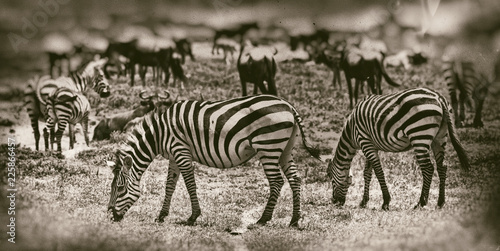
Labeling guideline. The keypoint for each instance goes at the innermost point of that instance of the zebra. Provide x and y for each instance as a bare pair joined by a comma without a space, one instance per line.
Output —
66,106
417,119
39,88
467,88
220,134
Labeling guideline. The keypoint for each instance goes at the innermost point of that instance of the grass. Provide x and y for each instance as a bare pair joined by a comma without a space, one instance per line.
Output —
61,203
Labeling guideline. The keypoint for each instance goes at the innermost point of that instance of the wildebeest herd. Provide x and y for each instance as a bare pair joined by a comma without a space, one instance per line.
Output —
229,132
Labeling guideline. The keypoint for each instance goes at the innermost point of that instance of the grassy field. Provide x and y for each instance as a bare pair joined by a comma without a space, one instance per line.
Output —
61,202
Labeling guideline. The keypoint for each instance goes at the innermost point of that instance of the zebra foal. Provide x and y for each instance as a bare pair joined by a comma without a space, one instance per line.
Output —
220,134
417,119
66,106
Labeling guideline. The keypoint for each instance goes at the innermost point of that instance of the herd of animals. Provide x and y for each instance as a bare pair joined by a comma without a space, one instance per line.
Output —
229,132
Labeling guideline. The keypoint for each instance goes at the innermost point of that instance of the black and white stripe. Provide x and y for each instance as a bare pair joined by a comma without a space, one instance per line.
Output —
467,88
417,119
220,134
65,106
38,89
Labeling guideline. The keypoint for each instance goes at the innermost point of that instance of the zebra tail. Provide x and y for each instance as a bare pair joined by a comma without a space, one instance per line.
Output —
455,141
314,151
387,78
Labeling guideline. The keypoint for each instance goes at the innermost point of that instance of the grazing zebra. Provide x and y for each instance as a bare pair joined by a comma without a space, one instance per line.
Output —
220,134
35,95
66,106
467,88
417,119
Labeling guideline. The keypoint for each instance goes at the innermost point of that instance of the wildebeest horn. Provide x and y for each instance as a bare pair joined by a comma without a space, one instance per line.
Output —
141,95
166,96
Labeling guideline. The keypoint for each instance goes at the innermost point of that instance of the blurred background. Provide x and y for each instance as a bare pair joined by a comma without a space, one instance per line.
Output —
449,27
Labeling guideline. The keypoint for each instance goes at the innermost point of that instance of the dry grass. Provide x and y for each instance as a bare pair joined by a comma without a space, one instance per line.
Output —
62,202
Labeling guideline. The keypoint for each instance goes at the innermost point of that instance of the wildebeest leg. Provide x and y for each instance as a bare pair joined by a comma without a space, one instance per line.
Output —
336,78
132,73
243,87
142,74
349,89
357,84
271,87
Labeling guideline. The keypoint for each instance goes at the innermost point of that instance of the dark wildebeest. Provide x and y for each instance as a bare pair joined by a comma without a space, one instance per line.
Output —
119,121
233,32
363,66
257,66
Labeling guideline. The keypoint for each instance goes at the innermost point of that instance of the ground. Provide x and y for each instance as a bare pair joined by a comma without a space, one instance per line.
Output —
61,202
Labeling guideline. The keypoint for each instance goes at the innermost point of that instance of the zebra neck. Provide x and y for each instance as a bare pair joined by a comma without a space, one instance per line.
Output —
346,148
81,82
148,139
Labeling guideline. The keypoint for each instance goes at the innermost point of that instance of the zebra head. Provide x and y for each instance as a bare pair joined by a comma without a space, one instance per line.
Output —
120,198
341,180
101,84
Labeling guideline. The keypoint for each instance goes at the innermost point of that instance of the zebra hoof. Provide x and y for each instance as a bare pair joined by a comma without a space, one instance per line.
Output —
363,204
385,207
160,220
295,222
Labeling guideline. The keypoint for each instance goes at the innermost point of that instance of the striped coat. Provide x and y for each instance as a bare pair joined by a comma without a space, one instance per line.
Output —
467,88
35,95
65,106
416,119
219,134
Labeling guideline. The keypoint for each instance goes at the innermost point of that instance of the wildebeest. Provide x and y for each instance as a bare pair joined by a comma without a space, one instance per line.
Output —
257,65
363,65
234,32
119,121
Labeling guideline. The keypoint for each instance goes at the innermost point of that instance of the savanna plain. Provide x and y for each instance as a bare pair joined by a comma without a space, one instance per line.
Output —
61,201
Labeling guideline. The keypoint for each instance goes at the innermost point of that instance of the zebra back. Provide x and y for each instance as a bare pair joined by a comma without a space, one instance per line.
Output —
64,103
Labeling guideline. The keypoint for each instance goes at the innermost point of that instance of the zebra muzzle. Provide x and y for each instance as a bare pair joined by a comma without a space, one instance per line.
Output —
105,94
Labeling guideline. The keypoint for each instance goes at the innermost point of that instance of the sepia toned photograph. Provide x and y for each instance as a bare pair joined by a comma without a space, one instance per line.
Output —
250,125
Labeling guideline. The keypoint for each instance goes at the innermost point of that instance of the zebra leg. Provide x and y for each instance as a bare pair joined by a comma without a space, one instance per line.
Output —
71,136
52,137
61,126
438,147
454,105
45,138
187,171
367,175
85,126
461,113
276,182
36,132
478,121
372,156
50,125
290,170
172,178
424,161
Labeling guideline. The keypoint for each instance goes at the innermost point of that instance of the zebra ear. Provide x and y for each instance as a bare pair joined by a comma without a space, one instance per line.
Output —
349,180
127,164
